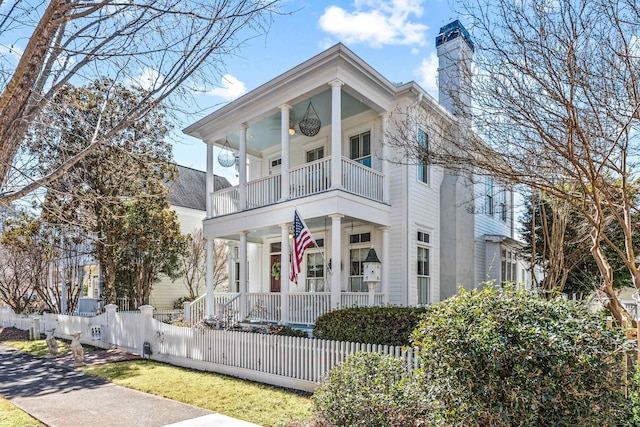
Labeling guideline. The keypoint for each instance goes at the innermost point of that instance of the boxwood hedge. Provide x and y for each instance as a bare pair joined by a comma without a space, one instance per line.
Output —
370,325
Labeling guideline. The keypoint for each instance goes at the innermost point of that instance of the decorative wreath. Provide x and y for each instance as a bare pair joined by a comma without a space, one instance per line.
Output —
275,270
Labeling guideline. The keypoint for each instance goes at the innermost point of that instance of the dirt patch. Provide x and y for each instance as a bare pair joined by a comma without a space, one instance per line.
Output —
13,334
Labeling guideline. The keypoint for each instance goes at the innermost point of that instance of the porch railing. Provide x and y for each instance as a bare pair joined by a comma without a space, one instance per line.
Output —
264,191
305,308
358,299
304,180
362,180
264,307
310,178
226,201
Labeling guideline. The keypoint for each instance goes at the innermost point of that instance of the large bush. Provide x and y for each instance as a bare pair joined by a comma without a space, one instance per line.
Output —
505,358
370,390
370,325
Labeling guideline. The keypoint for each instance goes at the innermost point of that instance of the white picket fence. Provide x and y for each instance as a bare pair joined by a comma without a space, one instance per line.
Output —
298,363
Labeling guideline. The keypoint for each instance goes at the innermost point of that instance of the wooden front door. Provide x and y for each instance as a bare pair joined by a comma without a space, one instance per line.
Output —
275,273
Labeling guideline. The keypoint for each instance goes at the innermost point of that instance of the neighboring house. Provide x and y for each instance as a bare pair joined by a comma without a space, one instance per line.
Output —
433,229
187,198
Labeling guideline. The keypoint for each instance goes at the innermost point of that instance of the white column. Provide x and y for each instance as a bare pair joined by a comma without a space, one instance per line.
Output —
336,134
242,287
242,167
385,265
209,180
284,274
209,279
385,157
284,155
336,257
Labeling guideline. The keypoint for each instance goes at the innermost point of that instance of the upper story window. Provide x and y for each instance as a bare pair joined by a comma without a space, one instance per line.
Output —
489,194
423,142
504,207
315,154
360,148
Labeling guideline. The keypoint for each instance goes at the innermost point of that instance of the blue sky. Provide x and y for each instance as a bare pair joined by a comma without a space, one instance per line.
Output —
396,37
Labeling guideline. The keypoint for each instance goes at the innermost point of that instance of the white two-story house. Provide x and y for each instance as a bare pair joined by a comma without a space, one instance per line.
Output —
316,139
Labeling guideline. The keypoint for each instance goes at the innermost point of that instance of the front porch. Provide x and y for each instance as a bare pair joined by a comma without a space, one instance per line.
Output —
302,308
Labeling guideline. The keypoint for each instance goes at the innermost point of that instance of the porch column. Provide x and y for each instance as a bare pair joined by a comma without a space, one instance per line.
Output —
209,304
284,274
209,180
242,286
336,134
284,155
385,157
385,265
242,167
336,257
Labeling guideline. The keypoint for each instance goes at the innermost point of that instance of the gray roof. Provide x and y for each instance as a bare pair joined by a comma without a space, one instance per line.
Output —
189,188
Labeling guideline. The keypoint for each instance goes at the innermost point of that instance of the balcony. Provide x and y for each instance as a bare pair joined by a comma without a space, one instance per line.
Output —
305,180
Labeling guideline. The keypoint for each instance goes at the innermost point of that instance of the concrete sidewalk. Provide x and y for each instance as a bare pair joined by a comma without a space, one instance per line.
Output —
60,396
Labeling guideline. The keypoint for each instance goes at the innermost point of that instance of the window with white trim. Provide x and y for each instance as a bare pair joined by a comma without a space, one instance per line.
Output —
488,200
360,148
508,266
504,207
357,255
315,154
423,142
423,268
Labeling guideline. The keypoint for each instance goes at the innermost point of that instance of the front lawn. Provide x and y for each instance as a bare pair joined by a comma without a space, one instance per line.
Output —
257,403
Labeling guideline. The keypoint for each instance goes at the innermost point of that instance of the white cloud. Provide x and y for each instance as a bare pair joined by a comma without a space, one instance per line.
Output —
376,22
147,80
14,51
427,74
230,88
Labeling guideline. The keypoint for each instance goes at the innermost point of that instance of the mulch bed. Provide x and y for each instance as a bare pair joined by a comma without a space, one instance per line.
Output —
13,334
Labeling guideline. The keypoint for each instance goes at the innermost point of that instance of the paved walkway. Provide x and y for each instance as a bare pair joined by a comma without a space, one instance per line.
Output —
60,396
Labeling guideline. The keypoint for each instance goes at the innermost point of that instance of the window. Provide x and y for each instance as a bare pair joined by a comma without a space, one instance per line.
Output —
423,269
315,272
488,189
508,266
360,148
356,270
503,204
360,238
423,142
315,154
276,162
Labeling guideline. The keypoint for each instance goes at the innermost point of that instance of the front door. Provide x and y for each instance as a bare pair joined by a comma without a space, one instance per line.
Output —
275,273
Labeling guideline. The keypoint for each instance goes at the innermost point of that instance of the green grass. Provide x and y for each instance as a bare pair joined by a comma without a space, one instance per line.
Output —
39,347
257,403
10,416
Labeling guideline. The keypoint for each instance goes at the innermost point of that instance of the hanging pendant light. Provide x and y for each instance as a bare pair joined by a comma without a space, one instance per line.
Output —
226,158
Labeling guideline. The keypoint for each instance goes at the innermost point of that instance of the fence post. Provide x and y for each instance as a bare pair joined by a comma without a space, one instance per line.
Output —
146,328
111,310
186,308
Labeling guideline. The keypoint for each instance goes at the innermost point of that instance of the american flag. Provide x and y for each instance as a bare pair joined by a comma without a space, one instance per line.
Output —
302,239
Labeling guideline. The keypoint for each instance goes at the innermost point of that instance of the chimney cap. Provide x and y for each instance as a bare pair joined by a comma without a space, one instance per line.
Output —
453,30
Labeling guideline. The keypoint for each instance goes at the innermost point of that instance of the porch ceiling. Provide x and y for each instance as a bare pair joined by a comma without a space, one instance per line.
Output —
266,132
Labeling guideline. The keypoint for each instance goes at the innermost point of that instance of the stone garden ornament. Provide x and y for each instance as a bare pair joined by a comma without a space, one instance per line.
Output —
52,344
76,350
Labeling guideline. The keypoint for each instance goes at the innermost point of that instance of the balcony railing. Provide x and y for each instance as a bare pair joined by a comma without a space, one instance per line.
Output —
304,180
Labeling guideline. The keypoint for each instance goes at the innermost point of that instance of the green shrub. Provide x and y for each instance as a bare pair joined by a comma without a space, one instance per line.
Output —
505,358
370,325
369,390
